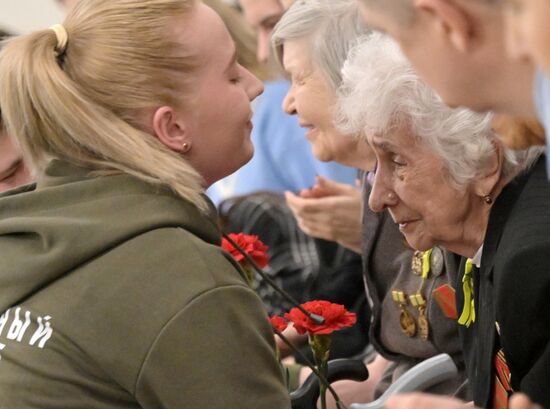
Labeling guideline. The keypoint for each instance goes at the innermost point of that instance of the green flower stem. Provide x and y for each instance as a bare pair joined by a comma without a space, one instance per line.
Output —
320,345
321,377
322,388
322,367
249,273
314,317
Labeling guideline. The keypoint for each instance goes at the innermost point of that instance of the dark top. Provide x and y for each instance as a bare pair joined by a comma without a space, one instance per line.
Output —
513,288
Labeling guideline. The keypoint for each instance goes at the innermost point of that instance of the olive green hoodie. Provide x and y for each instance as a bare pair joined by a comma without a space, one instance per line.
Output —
115,294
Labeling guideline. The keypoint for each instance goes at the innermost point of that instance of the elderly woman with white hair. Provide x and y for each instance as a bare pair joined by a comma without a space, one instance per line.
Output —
316,37
335,26
313,40
446,180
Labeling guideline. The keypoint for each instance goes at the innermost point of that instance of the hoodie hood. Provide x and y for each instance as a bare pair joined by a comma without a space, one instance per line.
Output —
69,217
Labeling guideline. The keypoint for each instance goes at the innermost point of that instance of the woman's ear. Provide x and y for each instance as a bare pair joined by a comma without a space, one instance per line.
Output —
490,179
171,130
452,21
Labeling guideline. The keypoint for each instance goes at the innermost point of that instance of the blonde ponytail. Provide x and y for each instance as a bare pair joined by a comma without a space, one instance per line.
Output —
82,105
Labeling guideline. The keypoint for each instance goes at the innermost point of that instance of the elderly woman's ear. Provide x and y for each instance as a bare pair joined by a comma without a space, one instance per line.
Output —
489,182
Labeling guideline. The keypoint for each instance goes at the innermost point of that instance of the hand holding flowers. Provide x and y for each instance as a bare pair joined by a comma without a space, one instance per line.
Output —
335,317
319,319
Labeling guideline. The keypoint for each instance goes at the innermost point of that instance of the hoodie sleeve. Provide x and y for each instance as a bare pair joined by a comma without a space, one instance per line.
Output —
217,352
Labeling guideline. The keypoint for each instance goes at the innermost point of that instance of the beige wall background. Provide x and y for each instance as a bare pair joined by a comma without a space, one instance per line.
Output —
22,16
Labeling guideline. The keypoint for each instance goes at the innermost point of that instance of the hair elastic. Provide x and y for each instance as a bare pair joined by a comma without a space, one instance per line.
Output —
62,39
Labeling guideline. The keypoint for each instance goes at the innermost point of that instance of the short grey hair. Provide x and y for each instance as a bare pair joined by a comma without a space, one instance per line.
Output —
332,26
381,92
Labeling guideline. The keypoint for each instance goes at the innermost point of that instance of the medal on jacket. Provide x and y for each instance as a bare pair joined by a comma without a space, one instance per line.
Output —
437,262
422,263
445,297
503,378
417,300
406,320
416,263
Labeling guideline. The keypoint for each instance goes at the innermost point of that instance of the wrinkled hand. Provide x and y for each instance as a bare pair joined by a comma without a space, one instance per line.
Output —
425,401
521,401
330,211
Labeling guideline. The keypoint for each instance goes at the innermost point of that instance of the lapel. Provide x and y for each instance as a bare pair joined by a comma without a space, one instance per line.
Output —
483,342
497,220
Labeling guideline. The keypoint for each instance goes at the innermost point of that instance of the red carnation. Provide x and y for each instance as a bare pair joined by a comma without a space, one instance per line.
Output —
251,244
336,317
279,323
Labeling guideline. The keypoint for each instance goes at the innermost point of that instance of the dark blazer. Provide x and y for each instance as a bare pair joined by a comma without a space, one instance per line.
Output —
513,289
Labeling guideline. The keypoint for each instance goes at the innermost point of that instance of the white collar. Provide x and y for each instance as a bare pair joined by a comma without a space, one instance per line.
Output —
476,259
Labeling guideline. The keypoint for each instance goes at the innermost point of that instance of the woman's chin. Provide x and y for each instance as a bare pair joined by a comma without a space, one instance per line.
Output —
322,154
235,165
419,244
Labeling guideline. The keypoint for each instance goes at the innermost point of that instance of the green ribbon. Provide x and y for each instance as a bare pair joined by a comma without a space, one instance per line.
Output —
426,258
468,312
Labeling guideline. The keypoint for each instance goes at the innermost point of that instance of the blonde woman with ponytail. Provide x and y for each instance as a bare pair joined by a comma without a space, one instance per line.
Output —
114,292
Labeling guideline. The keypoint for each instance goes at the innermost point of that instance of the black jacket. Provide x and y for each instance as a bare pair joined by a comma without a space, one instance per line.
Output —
513,289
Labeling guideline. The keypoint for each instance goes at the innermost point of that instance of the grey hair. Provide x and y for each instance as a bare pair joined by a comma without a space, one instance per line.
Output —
381,92
332,27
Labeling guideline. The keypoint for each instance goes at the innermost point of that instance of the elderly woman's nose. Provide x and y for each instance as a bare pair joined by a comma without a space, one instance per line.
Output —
381,197
289,105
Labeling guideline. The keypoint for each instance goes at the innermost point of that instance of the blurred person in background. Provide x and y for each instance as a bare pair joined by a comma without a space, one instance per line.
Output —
336,26
458,48
528,34
316,201
283,160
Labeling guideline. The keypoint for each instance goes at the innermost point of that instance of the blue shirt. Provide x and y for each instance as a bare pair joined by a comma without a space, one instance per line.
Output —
542,104
283,159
